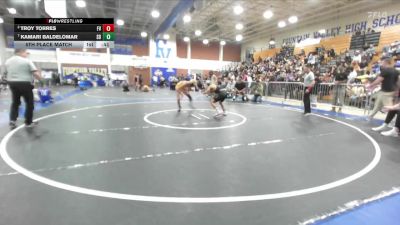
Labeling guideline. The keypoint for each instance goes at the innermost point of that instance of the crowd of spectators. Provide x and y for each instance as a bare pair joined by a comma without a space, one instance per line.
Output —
285,66
336,75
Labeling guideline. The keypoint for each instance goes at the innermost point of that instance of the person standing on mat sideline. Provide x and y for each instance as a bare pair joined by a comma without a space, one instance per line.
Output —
19,71
387,78
309,81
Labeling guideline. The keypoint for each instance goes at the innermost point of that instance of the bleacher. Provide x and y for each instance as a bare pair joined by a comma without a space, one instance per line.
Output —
358,41
290,49
266,53
373,38
345,42
338,43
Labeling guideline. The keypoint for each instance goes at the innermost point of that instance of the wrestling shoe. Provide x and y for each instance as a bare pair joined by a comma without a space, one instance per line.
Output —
380,128
391,133
33,124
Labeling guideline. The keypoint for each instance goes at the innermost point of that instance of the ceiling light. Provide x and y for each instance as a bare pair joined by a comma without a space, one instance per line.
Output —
271,42
166,36
1,20
282,24
186,39
12,10
239,26
268,14
239,37
205,41
187,18
293,19
155,13
238,9
197,32
120,22
222,43
84,49
80,3
322,31
143,34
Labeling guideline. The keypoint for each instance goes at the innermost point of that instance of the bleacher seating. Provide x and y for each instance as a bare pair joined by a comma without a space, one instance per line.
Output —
338,43
266,53
389,35
358,41
373,38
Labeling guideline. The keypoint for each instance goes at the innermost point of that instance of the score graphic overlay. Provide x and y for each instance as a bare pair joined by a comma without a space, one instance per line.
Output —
64,33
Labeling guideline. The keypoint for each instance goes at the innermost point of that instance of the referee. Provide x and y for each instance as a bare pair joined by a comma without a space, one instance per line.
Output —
308,86
19,71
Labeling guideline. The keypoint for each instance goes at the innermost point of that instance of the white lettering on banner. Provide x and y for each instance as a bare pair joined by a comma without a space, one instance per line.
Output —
376,20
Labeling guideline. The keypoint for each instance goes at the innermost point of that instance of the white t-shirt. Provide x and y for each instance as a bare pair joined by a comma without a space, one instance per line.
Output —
357,58
308,79
249,79
19,69
351,77
311,59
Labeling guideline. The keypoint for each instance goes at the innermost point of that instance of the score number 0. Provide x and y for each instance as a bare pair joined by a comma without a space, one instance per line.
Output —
108,27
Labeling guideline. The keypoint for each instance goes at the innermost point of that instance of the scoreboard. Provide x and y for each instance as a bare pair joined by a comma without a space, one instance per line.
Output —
64,33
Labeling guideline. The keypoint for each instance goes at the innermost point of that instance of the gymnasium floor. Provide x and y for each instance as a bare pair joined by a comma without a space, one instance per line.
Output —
107,157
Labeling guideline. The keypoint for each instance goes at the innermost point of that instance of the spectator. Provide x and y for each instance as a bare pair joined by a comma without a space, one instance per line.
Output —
3,83
397,62
258,90
163,82
230,87
388,78
249,81
332,53
76,81
339,89
357,96
357,56
136,80
140,79
311,59
125,86
154,81
353,74
240,89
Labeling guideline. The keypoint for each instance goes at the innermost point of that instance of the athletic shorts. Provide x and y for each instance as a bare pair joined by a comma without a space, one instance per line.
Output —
179,86
220,97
